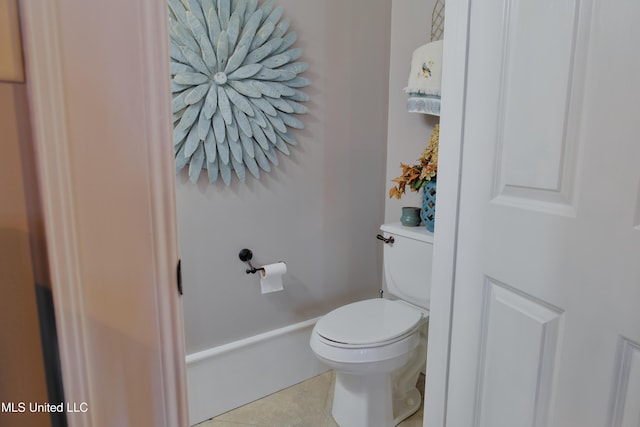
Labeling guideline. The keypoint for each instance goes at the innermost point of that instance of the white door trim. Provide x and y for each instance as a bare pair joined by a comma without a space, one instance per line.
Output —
454,77
43,56
49,123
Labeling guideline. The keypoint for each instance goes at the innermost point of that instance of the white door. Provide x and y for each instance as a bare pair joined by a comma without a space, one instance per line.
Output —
546,316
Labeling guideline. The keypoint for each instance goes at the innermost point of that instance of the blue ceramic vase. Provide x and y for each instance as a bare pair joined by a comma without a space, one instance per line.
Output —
428,211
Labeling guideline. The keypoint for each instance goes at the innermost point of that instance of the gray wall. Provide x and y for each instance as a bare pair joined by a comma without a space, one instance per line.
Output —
319,210
408,133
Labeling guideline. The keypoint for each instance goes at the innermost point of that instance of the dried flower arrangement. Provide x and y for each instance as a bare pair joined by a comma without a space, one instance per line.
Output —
417,176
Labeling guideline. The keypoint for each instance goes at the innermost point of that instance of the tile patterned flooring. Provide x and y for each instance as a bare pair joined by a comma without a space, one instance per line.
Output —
307,404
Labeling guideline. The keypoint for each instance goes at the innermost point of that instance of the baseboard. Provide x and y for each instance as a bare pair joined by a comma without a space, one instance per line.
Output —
225,377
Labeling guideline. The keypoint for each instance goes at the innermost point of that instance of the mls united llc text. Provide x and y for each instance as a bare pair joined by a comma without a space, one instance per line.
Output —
21,407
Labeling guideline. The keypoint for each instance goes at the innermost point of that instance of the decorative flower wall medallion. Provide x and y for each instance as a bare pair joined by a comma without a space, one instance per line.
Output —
235,85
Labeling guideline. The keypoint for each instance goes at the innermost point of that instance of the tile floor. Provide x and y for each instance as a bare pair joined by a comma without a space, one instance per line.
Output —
307,404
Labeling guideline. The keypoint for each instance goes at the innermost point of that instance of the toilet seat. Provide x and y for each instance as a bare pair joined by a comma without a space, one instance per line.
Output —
369,323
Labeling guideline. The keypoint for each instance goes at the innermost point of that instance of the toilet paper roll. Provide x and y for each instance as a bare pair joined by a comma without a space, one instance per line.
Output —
271,277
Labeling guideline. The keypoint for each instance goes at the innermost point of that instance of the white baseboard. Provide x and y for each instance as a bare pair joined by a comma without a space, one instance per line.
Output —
231,375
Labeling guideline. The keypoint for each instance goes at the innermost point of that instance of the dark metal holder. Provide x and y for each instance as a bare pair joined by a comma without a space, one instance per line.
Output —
246,255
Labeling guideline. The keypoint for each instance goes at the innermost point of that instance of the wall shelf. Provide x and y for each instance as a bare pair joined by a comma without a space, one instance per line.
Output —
424,104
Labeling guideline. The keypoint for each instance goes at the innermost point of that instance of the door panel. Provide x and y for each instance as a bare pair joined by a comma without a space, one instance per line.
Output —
545,320
532,161
542,57
518,352
626,390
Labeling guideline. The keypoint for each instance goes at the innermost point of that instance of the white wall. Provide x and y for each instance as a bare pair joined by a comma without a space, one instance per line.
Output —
408,133
319,210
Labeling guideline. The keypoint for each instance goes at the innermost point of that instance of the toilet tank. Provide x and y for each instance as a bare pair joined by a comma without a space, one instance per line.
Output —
407,263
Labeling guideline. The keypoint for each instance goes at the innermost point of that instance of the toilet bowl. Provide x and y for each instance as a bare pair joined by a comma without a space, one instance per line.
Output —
375,381
377,347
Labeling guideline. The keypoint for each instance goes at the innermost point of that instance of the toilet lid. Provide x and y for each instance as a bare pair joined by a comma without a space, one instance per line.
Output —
368,322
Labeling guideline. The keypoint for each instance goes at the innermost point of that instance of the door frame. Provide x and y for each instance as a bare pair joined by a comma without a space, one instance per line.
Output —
47,102
454,79
43,43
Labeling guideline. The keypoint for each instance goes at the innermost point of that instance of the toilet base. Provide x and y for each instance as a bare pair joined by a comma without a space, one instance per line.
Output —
364,401
404,408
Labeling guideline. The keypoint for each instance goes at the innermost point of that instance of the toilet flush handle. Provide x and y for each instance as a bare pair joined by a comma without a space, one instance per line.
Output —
388,240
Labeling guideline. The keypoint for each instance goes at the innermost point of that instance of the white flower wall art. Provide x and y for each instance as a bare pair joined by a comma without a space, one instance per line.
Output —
235,84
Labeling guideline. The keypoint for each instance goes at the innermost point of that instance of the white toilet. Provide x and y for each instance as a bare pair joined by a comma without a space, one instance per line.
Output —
378,346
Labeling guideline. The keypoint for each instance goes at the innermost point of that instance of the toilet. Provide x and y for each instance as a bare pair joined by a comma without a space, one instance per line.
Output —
378,346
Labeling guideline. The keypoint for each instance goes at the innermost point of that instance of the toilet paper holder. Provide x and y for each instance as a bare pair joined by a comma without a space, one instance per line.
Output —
246,255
